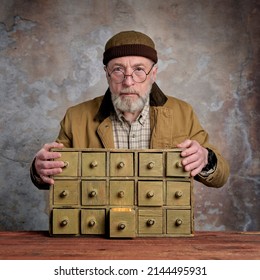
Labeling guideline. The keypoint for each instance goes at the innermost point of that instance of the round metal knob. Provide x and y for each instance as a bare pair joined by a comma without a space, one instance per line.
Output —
179,164
66,164
64,193
121,226
150,165
178,194
178,222
93,164
121,194
92,193
150,222
150,194
91,223
120,165
64,222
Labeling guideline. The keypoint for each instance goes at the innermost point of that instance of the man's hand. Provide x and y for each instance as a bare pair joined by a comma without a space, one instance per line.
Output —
45,166
195,156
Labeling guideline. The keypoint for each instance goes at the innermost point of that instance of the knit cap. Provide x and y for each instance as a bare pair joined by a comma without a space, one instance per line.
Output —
129,43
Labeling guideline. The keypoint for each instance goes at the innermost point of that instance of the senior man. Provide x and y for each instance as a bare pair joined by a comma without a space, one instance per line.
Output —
133,114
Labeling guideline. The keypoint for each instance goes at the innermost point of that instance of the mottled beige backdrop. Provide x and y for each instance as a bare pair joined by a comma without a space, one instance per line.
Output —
51,58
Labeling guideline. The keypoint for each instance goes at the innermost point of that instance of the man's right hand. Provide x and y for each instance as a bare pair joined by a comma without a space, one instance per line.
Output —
45,166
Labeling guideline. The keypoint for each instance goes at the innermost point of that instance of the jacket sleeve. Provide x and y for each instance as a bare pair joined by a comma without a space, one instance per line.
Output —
219,176
36,180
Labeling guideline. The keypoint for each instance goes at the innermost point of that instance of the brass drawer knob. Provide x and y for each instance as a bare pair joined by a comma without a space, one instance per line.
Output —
93,164
91,223
179,164
64,222
66,164
121,194
178,194
150,194
64,193
121,226
92,193
120,165
150,165
150,222
178,222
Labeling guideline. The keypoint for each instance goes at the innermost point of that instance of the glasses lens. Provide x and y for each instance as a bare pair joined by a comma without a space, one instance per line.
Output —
139,75
117,76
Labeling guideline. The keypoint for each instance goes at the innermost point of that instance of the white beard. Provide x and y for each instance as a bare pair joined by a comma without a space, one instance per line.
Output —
126,104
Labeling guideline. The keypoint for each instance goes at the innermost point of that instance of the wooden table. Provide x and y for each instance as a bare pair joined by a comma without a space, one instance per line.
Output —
203,245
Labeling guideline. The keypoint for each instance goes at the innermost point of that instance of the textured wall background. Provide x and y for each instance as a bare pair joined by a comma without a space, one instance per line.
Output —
50,59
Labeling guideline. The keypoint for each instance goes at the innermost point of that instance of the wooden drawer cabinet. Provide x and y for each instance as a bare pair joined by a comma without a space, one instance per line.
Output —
121,194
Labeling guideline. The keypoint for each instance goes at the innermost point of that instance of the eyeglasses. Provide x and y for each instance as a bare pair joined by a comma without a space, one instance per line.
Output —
138,75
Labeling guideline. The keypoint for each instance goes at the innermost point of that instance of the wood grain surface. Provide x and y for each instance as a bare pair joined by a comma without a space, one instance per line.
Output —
203,245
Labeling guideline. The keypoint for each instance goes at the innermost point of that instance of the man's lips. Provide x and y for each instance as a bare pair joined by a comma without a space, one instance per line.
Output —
129,94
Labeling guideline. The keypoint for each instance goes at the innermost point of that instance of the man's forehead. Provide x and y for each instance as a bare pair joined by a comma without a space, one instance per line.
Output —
130,61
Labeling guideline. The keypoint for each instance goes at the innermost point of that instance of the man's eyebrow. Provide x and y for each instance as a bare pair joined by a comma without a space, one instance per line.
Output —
132,66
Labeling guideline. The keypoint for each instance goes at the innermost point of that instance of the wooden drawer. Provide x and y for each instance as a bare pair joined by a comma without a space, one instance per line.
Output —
174,166
121,164
66,192
150,164
178,221
71,160
93,164
93,221
150,193
65,221
178,193
122,222
94,192
150,221
121,193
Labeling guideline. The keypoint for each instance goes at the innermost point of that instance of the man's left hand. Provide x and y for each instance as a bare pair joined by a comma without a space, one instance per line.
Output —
195,156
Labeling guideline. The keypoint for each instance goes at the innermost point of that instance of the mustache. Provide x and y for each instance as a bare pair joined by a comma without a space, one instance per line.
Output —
129,90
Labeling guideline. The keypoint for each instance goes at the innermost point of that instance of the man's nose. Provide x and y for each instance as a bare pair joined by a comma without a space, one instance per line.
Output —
128,80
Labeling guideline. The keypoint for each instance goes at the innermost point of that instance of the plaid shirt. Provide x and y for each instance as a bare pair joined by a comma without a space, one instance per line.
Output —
135,135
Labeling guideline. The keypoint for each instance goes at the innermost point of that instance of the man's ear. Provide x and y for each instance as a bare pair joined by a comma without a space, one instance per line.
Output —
154,73
105,69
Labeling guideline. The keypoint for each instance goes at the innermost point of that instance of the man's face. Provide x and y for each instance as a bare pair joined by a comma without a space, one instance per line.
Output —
130,95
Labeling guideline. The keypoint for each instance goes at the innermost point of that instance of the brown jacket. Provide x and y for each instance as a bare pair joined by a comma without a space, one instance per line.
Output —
87,125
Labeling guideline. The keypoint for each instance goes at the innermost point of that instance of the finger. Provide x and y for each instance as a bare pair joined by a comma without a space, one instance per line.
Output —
47,180
49,146
50,172
49,164
184,144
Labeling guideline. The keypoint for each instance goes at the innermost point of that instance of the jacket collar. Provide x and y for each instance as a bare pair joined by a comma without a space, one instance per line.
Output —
157,98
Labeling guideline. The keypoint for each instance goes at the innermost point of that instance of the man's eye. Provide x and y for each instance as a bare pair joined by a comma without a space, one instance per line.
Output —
139,69
117,69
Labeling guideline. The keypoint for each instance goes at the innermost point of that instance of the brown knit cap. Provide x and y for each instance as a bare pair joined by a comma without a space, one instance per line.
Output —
129,43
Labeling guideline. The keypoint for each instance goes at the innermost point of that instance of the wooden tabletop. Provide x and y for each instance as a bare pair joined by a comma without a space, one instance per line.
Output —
203,245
